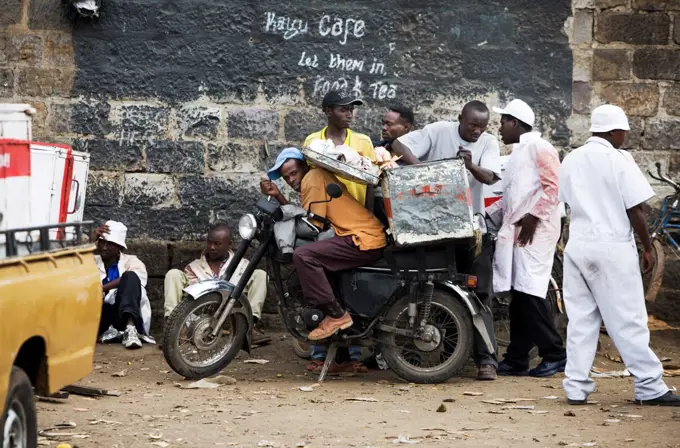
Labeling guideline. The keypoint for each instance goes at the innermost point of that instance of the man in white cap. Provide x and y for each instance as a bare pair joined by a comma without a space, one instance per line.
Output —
529,219
468,139
605,191
126,310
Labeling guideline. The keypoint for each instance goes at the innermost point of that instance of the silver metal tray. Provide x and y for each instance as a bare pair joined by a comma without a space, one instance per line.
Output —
341,169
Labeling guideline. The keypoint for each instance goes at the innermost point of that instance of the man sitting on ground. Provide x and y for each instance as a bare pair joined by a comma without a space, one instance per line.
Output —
126,309
359,238
212,265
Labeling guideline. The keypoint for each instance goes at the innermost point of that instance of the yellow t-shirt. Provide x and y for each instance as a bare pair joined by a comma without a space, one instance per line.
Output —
360,143
345,214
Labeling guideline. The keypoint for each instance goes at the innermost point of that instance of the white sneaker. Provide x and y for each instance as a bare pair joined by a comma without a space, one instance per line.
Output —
131,338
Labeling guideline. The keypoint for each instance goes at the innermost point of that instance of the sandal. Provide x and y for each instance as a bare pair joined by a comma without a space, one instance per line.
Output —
315,366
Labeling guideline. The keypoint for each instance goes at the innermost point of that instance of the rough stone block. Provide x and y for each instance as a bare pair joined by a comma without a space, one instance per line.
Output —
582,31
91,118
6,83
583,65
254,124
39,123
45,82
612,65
649,63
104,188
175,157
634,136
59,118
196,121
184,252
298,124
235,157
579,126
58,50
11,12
153,253
112,155
636,99
676,33
662,134
671,100
581,95
142,122
148,189
25,48
48,15
226,197
636,29
656,5
154,290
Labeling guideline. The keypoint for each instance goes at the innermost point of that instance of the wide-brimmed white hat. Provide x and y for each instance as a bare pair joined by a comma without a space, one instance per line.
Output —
518,109
608,118
117,233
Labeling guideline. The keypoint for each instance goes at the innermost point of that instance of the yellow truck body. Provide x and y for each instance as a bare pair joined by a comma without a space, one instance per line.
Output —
50,305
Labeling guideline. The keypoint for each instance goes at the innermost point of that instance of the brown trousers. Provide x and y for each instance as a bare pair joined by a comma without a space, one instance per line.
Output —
313,260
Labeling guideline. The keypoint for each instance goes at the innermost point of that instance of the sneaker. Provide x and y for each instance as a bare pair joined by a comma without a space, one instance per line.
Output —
668,399
487,372
505,368
110,335
131,338
548,368
329,326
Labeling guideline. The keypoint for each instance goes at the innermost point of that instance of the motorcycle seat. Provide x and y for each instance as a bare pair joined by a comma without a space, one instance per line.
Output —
408,259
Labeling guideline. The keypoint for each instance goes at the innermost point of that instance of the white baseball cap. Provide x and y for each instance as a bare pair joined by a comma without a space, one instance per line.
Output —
608,118
519,110
117,233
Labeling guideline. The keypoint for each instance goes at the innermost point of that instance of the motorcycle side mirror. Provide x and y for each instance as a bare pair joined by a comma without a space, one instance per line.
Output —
334,191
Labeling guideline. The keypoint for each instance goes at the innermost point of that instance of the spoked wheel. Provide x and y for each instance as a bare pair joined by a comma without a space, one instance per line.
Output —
302,349
18,425
439,357
188,346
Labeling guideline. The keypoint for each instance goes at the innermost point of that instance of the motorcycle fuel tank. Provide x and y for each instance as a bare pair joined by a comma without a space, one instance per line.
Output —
429,202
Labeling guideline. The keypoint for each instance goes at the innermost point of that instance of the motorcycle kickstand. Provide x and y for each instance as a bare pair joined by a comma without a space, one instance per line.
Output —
330,358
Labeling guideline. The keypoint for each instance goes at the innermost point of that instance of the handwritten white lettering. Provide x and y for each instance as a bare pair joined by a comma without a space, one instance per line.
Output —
308,61
347,64
285,25
377,68
342,28
382,90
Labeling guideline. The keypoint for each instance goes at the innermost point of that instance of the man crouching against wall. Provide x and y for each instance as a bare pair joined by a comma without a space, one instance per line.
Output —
212,265
359,238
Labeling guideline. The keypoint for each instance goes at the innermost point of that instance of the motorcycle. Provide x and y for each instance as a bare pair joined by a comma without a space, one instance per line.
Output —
412,304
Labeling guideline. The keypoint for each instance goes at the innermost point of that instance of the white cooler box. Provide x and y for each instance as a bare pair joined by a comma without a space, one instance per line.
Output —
428,203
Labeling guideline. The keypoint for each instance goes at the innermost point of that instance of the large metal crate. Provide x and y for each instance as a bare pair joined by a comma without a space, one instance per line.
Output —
429,202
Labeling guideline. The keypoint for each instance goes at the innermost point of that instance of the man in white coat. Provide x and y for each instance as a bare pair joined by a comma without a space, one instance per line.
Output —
126,311
605,191
529,219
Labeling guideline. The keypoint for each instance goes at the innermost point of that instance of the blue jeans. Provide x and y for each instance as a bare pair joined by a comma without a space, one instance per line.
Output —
319,352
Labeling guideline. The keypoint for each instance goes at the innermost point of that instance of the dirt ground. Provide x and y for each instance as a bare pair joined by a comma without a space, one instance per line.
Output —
265,407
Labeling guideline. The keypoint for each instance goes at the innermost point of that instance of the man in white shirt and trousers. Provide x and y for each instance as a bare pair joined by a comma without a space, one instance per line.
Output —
480,150
529,219
605,190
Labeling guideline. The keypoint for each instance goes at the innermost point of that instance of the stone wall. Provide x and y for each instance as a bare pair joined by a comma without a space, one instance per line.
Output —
627,52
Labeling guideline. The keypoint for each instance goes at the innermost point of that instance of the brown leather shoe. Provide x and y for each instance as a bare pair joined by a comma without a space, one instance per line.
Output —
487,372
329,326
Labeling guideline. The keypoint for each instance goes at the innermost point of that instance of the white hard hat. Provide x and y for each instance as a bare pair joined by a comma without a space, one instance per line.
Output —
608,118
117,233
519,110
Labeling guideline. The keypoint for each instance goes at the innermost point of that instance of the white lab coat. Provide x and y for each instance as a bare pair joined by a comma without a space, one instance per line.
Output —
602,278
530,185
129,263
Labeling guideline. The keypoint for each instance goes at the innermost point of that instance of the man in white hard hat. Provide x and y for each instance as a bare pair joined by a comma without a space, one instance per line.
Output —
126,311
605,191
529,219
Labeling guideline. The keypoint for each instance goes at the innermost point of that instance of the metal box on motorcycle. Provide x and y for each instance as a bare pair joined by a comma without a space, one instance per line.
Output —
428,202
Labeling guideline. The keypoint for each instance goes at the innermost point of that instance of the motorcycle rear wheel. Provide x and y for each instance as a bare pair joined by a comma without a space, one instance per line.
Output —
228,343
445,311
302,350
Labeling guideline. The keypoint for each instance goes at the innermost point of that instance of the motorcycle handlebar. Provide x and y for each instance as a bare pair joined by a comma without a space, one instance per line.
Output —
660,177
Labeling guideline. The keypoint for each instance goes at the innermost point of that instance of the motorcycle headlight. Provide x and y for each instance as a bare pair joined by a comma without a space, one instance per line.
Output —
247,227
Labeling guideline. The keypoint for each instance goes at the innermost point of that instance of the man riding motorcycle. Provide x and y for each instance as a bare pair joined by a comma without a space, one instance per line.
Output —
359,238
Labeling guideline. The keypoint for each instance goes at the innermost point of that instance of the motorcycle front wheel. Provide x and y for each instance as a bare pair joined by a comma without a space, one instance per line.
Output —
187,345
436,361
